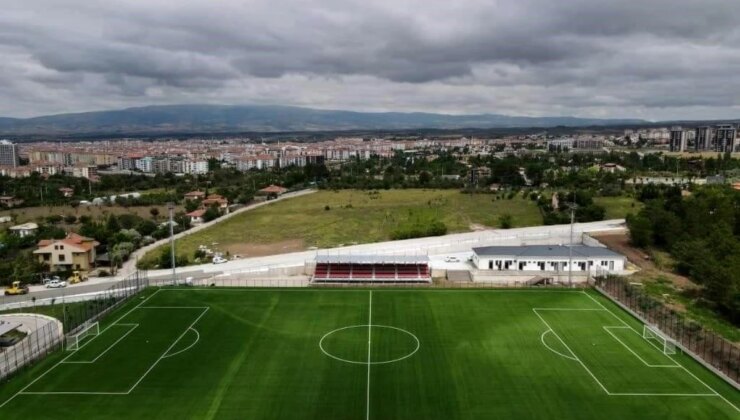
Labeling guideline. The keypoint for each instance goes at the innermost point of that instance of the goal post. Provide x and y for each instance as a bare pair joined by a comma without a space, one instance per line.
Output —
652,333
74,340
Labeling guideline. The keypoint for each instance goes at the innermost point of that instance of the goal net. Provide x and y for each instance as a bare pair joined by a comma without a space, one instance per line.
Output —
651,333
74,340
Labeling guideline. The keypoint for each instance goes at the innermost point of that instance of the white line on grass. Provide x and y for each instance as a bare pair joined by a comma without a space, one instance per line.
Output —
168,350
109,347
70,355
542,338
572,352
197,338
369,342
674,360
607,329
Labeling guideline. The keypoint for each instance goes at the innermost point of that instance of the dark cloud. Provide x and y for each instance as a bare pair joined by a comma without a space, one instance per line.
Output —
651,59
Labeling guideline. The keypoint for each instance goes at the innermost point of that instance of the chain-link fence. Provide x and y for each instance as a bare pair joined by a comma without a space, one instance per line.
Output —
44,334
89,310
706,346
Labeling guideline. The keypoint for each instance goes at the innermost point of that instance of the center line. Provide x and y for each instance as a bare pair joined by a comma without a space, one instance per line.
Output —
369,341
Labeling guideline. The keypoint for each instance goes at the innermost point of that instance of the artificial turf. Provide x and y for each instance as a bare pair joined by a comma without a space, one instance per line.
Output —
303,353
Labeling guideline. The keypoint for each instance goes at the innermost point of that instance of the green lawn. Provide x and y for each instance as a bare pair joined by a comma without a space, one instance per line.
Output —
618,207
354,217
368,354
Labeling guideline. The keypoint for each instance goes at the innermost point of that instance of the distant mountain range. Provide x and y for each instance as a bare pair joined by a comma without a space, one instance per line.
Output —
254,118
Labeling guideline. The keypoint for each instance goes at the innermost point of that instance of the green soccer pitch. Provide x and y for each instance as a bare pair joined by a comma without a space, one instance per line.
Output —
368,354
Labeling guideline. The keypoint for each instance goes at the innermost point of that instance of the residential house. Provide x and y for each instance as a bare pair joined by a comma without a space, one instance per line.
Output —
218,201
66,192
195,195
26,229
10,201
74,252
274,190
196,216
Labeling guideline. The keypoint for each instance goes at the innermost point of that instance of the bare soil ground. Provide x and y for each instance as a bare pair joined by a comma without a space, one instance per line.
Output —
619,242
259,250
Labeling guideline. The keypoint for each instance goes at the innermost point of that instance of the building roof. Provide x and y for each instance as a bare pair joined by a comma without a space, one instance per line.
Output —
274,189
25,226
72,239
196,213
372,259
545,251
195,194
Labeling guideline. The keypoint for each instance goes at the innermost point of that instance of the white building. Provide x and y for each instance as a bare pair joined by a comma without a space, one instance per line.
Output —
26,229
547,258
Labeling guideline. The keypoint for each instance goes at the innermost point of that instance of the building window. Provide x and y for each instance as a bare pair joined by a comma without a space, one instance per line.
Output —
61,257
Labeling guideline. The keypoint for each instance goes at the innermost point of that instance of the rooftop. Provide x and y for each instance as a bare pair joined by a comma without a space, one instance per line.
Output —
547,251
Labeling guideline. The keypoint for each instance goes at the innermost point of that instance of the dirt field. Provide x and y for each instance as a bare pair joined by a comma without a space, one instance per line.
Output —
620,243
35,214
259,250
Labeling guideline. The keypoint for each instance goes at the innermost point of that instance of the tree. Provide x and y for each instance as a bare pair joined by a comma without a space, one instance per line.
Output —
505,221
641,230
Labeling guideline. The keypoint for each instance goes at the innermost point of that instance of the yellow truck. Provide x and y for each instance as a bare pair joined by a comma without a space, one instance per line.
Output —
16,289
76,277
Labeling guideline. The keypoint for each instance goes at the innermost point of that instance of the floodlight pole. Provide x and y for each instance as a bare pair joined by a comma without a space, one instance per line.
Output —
171,208
573,207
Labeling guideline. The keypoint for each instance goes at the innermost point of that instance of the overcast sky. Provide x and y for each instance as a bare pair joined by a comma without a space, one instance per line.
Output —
652,59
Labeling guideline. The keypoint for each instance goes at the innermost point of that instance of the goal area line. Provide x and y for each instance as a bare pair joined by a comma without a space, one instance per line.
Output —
677,365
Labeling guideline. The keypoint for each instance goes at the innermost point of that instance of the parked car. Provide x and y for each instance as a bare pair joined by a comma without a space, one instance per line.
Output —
55,284
219,259
452,259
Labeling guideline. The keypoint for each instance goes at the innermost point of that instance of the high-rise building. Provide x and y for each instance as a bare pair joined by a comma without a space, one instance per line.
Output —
724,138
8,154
703,138
678,139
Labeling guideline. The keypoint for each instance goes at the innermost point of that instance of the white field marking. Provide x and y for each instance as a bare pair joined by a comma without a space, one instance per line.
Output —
572,352
109,347
70,355
168,349
72,393
607,329
363,362
115,392
358,289
648,394
568,309
542,339
670,357
369,342
197,338
173,307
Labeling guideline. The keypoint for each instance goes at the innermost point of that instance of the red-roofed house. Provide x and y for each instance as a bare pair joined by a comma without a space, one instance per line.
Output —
67,192
196,216
273,190
219,201
74,252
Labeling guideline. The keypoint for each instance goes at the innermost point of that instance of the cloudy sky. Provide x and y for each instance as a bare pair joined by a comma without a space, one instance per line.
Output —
652,59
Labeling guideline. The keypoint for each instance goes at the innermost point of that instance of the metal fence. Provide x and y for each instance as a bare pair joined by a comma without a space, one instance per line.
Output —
35,346
49,337
78,314
706,346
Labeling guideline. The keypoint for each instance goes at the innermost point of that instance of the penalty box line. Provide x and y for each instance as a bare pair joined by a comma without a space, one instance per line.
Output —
162,356
608,330
577,359
669,356
70,355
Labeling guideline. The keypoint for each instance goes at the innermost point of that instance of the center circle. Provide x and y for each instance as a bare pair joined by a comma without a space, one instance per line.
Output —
369,344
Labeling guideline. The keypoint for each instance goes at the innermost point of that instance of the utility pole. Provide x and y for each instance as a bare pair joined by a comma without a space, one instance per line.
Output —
573,207
171,209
